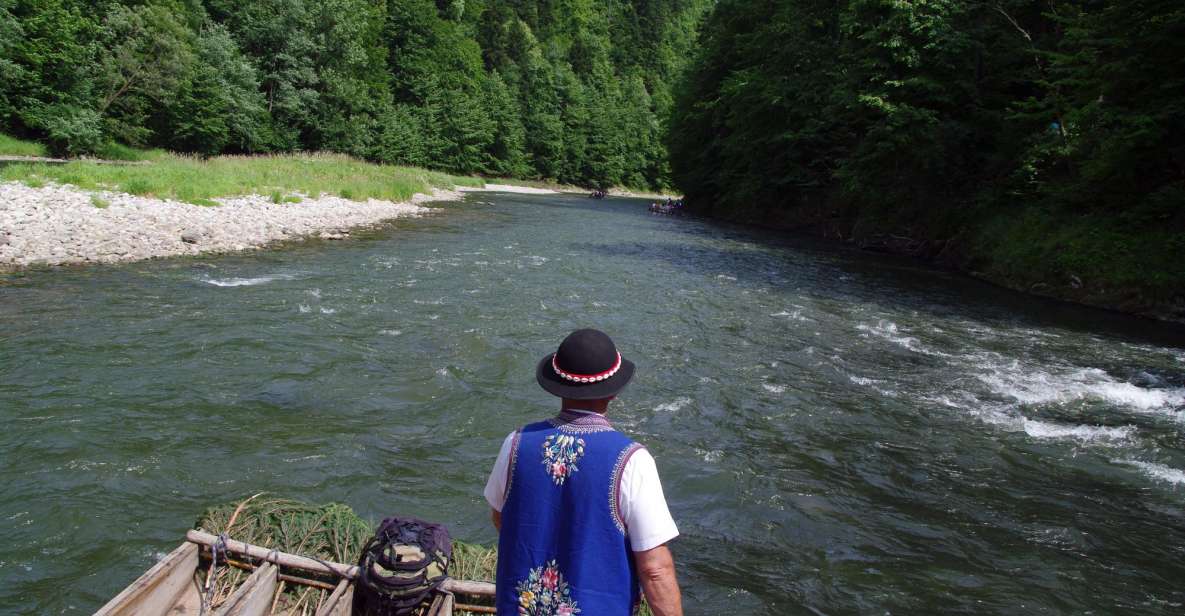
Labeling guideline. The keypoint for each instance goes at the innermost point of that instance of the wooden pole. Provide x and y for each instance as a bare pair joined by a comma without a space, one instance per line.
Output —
468,587
275,556
350,572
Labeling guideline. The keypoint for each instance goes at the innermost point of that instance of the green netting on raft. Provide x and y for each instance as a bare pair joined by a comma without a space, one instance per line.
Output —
330,532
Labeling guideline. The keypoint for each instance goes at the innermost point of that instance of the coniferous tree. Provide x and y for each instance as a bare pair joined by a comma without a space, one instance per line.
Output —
220,106
555,89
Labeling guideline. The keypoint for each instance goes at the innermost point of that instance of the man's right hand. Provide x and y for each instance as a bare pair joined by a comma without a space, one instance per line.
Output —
656,568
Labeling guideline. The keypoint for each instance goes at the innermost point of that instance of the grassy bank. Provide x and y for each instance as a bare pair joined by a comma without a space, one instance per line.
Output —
197,180
11,146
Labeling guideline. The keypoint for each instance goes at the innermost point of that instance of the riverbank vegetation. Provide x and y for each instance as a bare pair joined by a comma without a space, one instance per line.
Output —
1037,144
10,146
576,91
199,180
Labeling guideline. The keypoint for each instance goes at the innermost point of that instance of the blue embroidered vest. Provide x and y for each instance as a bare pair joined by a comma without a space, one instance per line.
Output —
563,548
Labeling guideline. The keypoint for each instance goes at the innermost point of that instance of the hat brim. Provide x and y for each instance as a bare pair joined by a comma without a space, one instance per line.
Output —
553,384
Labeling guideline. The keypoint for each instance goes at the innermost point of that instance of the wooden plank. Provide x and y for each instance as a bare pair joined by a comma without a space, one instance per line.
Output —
189,603
442,605
341,602
302,581
160,589
253,597
283,559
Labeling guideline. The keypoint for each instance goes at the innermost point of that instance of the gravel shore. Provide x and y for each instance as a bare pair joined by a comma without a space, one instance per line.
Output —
509,188
56,224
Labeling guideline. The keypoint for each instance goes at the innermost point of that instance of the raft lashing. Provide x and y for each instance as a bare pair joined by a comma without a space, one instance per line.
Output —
284,557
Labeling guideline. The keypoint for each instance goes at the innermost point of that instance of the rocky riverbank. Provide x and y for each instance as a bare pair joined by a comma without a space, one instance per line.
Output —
60,224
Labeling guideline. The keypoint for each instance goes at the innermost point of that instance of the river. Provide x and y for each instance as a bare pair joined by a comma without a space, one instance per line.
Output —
837,432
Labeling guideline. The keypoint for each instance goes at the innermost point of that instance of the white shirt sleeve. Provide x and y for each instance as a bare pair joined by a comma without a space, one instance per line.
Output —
495,491
648,522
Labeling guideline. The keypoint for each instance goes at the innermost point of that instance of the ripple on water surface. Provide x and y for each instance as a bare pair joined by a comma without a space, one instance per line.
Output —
247,282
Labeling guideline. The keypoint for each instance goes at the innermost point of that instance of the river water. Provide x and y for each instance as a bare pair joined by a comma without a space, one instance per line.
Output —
837,432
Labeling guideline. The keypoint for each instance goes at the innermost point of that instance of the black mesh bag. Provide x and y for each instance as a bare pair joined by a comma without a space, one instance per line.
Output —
401,566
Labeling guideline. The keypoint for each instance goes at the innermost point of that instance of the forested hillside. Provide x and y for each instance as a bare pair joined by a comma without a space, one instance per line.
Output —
1039,144
571,90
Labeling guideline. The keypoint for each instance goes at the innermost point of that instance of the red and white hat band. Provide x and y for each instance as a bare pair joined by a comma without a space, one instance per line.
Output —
585,378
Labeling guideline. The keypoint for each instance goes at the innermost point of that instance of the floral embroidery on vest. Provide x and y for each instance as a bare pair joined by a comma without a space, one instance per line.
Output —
560,454
545,593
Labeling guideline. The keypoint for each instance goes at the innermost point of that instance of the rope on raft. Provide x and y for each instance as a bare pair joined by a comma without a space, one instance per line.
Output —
220,547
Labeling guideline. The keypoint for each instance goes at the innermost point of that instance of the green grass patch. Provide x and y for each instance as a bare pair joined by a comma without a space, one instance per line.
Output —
100,202
197,180
140,186
11,146
118,151
279,197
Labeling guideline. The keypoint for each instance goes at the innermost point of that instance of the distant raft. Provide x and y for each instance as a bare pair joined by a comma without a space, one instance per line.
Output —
672,207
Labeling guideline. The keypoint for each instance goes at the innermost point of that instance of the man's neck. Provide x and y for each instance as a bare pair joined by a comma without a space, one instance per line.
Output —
596,406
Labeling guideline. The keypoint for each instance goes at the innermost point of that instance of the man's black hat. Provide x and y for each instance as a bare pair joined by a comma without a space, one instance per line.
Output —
587,366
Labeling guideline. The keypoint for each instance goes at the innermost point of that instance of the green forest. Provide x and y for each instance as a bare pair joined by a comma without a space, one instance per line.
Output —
1040,145
575,91
1037,144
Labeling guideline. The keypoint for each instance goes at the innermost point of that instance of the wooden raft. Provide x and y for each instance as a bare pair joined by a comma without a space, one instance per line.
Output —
170,586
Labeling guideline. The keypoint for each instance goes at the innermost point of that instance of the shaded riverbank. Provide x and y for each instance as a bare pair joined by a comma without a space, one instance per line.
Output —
1053,256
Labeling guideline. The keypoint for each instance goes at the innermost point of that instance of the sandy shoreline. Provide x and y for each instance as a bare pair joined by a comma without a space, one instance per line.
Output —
509,188
59,225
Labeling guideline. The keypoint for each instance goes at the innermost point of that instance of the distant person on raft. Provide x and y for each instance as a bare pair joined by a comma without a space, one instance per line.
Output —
582,520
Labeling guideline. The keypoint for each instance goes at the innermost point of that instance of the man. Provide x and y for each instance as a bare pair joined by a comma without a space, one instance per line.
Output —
579,507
